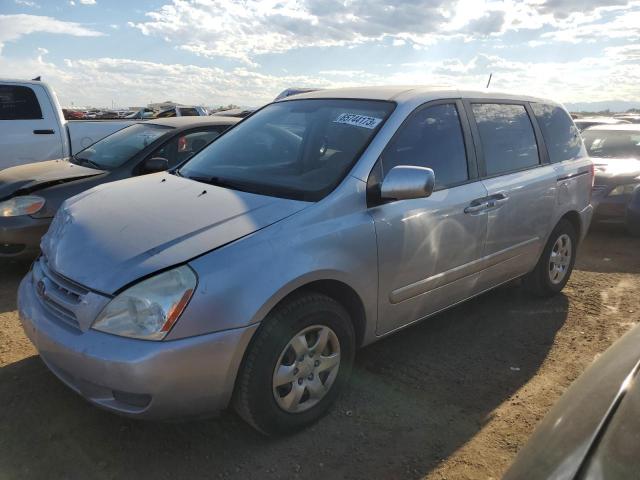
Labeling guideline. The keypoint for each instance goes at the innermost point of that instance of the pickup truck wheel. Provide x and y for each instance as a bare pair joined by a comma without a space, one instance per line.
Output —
555,265
296,365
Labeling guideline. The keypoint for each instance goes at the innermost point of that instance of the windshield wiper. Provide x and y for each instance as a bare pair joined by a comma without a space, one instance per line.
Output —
86,162
244,186
224,183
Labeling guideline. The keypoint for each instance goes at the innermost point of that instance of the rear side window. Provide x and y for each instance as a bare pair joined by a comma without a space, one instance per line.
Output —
507,137
560,134
18,103
431,138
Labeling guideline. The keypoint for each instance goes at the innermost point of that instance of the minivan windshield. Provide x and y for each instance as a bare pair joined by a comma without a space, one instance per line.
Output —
299,149
612,143
114,150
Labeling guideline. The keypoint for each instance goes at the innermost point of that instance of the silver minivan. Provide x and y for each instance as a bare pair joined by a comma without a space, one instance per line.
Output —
321,223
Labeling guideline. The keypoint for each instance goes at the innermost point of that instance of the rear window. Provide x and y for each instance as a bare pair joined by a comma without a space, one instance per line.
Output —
18,103
560,134
612,143
507,137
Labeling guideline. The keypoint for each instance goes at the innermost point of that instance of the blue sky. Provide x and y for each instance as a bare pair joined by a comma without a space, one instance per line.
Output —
99,52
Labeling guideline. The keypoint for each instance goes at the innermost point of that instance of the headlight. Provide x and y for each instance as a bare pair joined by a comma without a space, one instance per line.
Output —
24,205
623,189
150,308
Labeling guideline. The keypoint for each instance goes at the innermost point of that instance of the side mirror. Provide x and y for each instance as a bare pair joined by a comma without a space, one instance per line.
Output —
155,164
406,182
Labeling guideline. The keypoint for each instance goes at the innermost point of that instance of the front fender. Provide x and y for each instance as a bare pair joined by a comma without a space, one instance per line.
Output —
239,284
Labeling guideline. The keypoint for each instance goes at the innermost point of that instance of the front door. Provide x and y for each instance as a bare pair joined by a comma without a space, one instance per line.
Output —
428,248
29,130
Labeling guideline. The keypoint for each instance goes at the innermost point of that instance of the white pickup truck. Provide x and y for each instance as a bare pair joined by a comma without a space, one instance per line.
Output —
33,129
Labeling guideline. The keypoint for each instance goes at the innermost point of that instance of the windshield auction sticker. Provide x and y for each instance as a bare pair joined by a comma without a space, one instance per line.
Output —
358,120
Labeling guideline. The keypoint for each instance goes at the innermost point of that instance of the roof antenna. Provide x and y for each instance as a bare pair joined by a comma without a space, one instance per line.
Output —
489,82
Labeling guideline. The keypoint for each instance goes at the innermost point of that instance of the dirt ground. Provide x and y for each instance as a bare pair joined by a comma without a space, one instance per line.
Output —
454,397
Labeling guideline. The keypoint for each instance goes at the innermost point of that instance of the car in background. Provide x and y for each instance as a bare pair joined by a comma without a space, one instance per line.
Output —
321,223
72,114
586,122
615,150
182,111
629,117
31,194
235,112
141,114
33,127
293,91
592,432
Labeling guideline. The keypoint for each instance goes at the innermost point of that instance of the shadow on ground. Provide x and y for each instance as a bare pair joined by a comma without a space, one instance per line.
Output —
606,250
415,398
10,275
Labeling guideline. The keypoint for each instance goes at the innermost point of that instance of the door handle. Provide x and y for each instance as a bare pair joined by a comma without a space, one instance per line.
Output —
476,208
44,132
497,200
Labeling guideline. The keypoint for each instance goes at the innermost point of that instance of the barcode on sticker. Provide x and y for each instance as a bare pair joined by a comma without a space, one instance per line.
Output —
358,120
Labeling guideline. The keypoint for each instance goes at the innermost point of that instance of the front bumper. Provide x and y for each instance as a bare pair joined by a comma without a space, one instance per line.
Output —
153,380
618,209
20,236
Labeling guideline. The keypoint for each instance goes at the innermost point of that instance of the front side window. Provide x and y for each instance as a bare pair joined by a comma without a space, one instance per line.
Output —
297,149
186,145
431,138
560,134
612,143
18,103
116,149
507,137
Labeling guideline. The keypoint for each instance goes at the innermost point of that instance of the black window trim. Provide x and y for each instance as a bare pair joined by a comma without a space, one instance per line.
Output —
375,175
543,156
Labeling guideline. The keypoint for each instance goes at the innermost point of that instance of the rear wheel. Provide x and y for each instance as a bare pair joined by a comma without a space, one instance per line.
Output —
555,265
297,364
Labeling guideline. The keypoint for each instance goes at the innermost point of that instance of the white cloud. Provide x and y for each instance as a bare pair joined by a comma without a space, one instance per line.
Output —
27,3
243,29
13,27
133,82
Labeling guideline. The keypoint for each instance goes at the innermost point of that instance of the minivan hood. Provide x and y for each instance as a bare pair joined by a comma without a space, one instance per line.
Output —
33,176
113,234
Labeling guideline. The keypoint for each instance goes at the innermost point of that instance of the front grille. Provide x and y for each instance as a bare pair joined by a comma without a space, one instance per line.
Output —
58,294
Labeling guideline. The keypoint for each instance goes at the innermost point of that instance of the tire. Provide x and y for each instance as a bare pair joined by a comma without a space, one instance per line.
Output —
272,409
545,280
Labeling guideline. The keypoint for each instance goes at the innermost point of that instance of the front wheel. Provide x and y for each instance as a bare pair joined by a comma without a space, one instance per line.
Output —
296,365
556,263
